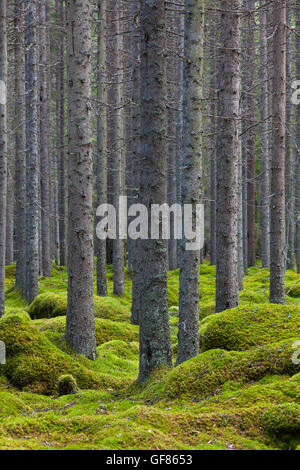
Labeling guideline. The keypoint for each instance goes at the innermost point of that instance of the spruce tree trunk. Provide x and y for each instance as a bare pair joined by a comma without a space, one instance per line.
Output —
61,137
264,132
277,240
3,148
213,112
115,141
250,136
191,179
44,142
172,72
289,179
20,156
101,143
9,249
135,170
228,148
32,157
80,327
297,170
155,347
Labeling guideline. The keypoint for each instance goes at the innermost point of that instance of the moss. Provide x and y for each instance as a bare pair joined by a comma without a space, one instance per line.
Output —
50,305
248,326
66,385
282,419
206,374
34,363
106,330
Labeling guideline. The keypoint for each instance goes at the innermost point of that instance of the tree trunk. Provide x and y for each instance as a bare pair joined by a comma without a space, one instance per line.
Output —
250,136
80,327
264,132
115,133
20,156
289,193
60,70
135,170
227,295
297,171
3,148
277,240
191,179
32,158
44,142
155,347
101,143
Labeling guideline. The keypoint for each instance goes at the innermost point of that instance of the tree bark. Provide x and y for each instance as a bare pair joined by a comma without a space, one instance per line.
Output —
227,158
289,167
191,179
155,348
3,148
80,327
20,156
297,163
264,132
101,143
32,158
44,141
277,240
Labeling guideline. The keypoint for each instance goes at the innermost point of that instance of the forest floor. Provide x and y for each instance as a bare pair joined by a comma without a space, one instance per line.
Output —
241,392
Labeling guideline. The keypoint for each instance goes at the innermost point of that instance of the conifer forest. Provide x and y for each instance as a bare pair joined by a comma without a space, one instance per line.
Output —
150,227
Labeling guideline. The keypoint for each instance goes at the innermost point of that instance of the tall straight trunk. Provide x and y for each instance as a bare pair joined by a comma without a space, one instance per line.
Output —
228,148
289,179
213,108
250,136
277,241
180,46
32,158
101,143
44,142
60,134
264,137
297,163
115,133
189,279
155,347
172,64
9,248
20,162
135,170
80,326
3,148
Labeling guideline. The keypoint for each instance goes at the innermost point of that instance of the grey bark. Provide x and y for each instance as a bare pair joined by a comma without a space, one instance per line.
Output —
289,167
32,160
191,179
297,163
3,149
155,348
264,137
80,326
115,140
44,141
135,168
20,157
9,249
60,135
101,143
277,238
227,292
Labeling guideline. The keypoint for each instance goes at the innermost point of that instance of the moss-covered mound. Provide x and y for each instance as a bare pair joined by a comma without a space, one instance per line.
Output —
34,363
50,305
204,375
248,326
106,330
282,419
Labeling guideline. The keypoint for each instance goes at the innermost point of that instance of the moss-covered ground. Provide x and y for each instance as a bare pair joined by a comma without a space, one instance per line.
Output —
241,392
